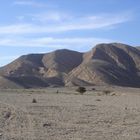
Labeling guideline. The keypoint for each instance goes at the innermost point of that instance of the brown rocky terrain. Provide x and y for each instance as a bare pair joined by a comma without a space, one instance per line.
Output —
105,64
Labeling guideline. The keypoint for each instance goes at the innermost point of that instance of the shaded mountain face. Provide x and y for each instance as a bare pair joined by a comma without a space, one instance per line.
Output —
105,64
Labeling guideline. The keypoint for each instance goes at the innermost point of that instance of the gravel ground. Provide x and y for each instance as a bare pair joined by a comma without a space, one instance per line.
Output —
107,113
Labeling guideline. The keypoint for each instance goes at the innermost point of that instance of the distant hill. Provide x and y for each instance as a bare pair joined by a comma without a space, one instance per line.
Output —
105,64
138,47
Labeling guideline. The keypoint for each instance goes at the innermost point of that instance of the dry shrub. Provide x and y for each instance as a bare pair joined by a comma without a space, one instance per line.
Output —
81,90
34,101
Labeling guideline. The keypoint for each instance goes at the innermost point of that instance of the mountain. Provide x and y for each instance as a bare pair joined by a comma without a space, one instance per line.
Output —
138,47
105,64
114,63
41,70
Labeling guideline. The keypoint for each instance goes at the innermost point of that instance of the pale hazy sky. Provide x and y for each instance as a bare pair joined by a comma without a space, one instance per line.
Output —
39,26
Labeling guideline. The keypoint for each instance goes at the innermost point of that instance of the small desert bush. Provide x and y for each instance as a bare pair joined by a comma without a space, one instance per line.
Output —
81,90
34,101
106,92
93,89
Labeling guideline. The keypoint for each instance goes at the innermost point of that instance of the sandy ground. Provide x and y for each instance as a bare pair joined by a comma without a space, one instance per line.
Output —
67,115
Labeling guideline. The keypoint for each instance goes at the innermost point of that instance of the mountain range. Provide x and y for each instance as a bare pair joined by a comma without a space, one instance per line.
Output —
105,64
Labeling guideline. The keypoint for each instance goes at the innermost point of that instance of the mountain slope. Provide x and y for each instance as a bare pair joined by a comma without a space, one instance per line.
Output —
114,64
41,70
7,83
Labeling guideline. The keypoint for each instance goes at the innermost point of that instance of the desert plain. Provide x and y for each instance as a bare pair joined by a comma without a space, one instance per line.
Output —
101,113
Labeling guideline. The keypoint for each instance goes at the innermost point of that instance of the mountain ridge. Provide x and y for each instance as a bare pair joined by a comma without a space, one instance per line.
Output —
104,64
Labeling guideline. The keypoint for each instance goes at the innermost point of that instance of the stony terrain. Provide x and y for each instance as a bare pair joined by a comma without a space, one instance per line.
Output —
107,113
